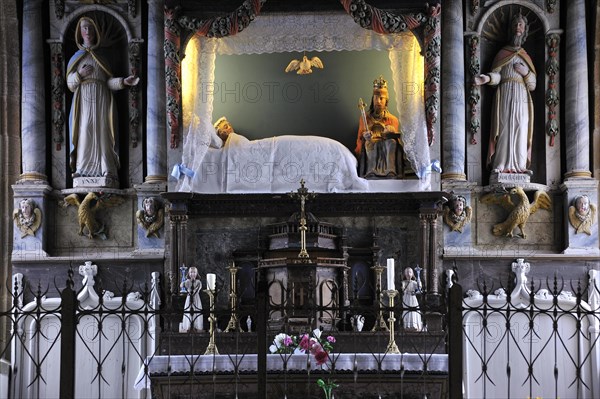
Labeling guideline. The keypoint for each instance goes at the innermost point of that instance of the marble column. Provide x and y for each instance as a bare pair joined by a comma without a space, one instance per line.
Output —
156,139
453,92
33,103
577,127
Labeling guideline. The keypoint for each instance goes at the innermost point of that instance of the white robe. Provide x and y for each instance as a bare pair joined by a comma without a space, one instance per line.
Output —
512,118
93,119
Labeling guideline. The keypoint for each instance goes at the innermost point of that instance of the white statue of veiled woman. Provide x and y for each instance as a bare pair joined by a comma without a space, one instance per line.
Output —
92,119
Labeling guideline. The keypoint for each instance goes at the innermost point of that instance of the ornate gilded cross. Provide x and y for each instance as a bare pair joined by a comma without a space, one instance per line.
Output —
303,195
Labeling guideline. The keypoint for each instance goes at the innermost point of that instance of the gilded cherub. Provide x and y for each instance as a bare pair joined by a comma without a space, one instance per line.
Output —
151,217
27,217
519,210
582,215
457,213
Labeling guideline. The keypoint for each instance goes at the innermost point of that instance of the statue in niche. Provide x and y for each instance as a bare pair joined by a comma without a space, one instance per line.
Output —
411,318
92,119
27,217
582,215
192,317
87,209
457,213
519,209
151,217
509,149
379,145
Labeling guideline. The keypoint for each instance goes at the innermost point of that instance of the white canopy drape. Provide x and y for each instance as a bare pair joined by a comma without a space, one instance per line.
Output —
297,33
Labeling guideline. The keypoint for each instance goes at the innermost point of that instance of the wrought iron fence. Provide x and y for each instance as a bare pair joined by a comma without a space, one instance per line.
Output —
525,340
93,343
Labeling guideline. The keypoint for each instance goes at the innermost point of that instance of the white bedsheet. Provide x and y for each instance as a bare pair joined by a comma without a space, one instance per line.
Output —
276,165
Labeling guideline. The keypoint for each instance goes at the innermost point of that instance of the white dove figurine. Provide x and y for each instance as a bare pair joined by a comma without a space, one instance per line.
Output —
305,66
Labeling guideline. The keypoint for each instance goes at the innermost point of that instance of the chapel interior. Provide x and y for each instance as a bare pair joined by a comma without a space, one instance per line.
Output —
415,180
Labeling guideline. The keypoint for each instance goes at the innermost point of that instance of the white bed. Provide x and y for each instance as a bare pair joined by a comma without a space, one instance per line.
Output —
273,165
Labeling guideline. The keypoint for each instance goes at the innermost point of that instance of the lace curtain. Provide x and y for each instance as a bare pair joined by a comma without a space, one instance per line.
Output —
276,33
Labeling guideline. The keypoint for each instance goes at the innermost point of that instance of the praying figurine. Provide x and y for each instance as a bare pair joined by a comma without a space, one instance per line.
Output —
192,315
411,317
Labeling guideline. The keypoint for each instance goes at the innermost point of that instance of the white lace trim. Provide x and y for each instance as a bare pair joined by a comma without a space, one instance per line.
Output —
276,33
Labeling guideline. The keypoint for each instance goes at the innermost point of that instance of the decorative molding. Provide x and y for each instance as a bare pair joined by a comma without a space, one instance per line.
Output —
173,73
227,25
474,6
552,96
279,205
59,8
134,111
58,94
551,6
132,7
432,69
475,91
381,21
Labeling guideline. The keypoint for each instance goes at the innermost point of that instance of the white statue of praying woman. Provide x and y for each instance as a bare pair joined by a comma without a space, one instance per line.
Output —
192,316
411,318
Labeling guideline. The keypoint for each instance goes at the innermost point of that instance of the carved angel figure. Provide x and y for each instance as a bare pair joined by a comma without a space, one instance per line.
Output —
27,217
520,209
457,213
86,211
151,217
582,215
304,67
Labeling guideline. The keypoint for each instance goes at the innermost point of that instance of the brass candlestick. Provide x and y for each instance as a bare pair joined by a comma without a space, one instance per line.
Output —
392,347
380,321
211,349
233,320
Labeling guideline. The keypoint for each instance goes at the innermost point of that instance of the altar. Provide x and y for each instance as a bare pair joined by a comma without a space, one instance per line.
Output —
183,375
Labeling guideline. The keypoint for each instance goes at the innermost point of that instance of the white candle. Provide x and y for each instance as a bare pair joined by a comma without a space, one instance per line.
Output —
390,274
211,279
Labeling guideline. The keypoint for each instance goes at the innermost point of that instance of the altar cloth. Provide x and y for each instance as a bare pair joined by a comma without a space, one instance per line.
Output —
173,365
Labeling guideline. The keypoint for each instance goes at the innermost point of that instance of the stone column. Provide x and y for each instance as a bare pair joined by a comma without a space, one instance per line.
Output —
156,132
576,93
178,217
453,92
428,216
33,103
